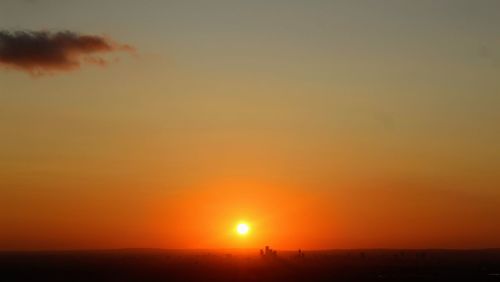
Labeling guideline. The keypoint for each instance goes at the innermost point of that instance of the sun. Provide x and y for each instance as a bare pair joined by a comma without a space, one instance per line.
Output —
242,229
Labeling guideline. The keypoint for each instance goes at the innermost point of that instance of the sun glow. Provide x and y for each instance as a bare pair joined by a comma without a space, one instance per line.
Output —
242,229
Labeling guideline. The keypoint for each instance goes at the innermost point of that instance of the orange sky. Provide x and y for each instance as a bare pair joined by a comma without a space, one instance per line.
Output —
323,124
286,217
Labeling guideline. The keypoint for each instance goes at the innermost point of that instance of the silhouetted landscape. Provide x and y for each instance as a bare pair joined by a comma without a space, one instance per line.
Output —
250,265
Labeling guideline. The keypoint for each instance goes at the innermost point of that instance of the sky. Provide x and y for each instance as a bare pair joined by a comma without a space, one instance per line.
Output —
322,124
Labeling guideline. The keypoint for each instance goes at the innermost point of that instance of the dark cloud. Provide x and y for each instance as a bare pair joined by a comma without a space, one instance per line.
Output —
43,52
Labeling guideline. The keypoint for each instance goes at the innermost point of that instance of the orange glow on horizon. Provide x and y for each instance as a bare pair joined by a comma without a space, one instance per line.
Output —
200,218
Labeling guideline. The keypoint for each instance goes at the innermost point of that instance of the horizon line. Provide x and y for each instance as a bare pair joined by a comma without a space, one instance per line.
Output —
238,249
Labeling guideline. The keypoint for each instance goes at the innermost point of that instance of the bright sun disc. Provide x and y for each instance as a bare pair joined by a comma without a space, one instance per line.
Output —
242,228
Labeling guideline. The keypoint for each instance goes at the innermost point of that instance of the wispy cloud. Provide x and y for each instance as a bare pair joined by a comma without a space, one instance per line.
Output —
44,52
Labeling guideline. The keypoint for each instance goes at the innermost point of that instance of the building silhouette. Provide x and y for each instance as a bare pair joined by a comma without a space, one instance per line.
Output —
268,252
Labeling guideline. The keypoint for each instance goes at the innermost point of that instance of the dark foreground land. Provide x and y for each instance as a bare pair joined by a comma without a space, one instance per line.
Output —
158,265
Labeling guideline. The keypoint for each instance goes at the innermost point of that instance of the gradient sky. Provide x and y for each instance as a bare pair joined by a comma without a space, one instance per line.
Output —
324,124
